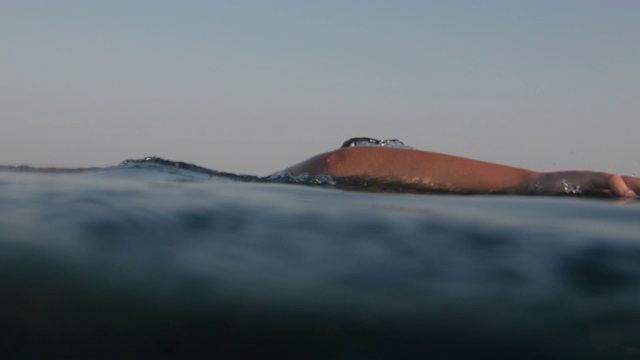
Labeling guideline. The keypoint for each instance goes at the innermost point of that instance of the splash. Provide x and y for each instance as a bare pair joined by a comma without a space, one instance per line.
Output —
302,179
179,167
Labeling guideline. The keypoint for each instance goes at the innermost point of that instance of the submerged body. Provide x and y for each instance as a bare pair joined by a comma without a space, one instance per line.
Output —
440,172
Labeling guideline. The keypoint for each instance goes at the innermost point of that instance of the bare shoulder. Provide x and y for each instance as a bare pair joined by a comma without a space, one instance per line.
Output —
350,161
379,160
315,165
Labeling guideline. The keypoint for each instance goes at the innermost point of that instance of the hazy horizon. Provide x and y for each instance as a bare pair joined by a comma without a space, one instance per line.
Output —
251,87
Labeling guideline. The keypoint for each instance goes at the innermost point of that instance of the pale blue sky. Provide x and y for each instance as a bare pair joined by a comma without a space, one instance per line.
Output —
254,86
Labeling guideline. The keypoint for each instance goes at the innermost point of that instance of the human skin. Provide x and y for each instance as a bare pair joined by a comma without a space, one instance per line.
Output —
431,171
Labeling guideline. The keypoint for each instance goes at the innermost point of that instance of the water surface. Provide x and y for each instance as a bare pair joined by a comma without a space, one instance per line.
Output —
158,259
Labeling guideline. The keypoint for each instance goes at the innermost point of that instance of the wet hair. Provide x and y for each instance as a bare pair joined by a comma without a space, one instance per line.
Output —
365,141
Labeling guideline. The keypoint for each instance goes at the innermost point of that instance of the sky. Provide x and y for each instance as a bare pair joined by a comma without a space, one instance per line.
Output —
255,86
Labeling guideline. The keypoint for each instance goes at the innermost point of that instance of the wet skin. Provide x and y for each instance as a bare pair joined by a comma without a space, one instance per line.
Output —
440,172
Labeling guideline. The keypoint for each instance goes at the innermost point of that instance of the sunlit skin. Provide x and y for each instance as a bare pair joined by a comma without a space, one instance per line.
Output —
439,172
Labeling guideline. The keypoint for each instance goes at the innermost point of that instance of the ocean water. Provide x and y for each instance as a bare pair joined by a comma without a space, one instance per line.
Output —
157,259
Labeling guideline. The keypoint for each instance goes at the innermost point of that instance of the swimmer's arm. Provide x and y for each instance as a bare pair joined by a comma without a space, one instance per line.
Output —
418,169
568,182
440,172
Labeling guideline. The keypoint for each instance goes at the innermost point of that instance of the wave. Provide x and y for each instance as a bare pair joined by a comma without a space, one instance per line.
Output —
184,171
